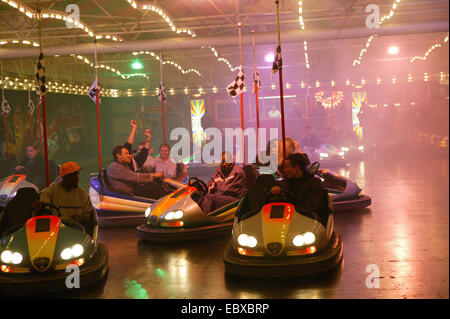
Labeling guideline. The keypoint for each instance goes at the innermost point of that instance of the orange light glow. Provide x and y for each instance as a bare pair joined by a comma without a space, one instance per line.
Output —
242,251
5,268
79,262
305,251
175,224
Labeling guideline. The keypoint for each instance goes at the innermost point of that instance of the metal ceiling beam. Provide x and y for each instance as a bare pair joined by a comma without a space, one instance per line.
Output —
230,41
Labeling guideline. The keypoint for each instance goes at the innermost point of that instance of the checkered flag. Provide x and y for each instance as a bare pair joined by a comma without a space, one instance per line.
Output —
162,92
237,86
277,64
256,81
40,75
93,92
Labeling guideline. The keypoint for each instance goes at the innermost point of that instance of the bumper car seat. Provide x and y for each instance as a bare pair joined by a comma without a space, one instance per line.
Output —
18,210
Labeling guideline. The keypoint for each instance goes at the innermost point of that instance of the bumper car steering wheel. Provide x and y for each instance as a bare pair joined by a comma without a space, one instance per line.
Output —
199,184
284,196
44,209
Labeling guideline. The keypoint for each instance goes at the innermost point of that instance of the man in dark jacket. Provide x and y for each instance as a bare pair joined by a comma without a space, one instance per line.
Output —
228,184
34,166
309,193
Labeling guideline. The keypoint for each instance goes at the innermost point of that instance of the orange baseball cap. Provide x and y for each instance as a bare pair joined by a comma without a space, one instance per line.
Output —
68,168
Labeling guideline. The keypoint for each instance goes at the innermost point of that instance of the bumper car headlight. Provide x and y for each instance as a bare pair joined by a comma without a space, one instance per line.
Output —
247,240
72,252
324,155
361,148
174,215
148,211
345,149
9,257
304,239
342,153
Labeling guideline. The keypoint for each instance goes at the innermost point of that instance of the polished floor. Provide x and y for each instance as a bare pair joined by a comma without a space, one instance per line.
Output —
405,233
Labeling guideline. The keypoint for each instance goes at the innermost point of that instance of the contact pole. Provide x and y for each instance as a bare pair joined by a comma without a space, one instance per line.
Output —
29,118
39,101
162,97
255,84
4,118
283,130
99,139
6,138
242,94
44,113
44,119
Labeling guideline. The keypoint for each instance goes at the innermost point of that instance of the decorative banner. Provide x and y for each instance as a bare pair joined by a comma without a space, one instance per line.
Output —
329,102
358,98
197,112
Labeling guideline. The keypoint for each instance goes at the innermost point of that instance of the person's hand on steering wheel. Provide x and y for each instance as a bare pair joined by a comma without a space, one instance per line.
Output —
276,193
199,184
40,209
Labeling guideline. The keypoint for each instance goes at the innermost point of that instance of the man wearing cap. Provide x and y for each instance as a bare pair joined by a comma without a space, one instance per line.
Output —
72,200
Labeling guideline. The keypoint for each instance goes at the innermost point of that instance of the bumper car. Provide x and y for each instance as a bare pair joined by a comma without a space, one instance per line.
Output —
23,179
177,217
38,245
328,155
117,209
272,238
10,185
345,194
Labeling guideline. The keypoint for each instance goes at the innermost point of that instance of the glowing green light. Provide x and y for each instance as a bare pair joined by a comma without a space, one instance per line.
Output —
135,290
136,65
161,273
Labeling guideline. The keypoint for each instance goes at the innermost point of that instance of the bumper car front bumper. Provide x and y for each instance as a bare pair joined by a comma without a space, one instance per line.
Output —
46,283
327,259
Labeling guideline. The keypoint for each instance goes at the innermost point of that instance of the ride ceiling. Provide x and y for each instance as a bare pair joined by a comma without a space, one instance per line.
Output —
335,32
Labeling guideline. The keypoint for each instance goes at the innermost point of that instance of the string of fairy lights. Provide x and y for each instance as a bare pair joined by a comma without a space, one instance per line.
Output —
302,25
26,42
109,68
63,87
162,14
428,52
372,37
57,15
220,59
173,63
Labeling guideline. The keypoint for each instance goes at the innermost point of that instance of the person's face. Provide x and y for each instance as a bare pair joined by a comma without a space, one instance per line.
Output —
140,147
164,152
72,179
31,152
292,171
124,156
